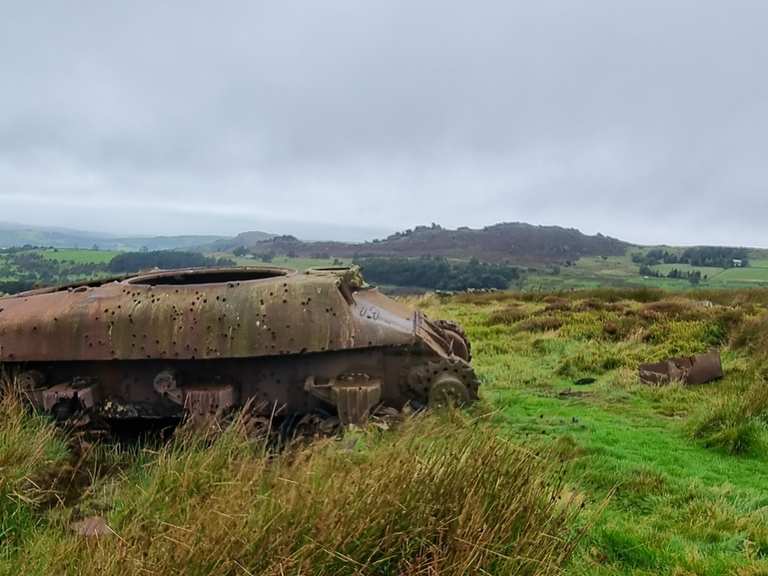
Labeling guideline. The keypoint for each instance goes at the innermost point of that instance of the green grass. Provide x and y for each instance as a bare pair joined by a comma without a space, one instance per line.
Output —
620,272
684,467
420,500
79,256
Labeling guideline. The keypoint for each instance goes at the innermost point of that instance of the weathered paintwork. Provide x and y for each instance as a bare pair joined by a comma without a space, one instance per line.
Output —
233,325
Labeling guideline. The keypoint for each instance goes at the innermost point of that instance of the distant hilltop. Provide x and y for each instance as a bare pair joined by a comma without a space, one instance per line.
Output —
12,234
511,242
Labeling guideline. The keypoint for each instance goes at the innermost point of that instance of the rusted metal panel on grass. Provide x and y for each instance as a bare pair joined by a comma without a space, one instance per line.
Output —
698,369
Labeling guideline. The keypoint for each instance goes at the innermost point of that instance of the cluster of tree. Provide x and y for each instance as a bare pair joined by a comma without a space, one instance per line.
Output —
715,256
24,269
705,256
416,230
693,276
17,249
136,261
16,286
437,273
655,257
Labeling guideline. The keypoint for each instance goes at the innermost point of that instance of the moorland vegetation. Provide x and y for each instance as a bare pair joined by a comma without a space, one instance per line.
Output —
567,465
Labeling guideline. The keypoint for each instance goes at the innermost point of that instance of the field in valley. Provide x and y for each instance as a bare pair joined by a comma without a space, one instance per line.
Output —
67,265
543,476
620,271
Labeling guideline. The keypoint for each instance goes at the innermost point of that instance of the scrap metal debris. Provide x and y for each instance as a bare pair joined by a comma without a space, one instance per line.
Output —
698,369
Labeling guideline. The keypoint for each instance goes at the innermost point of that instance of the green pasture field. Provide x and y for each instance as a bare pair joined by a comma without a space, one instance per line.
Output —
620,271
80,256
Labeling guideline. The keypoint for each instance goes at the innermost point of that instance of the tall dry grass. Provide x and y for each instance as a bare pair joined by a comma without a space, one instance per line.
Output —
736,421
31,452
432,498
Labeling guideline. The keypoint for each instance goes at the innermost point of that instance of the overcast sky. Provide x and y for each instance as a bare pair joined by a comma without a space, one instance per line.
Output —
645,120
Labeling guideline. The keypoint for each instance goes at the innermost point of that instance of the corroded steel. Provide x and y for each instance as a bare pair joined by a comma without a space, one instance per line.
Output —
698,369
159,343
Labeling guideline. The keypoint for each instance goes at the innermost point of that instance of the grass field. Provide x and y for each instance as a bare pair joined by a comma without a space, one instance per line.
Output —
590,272
620,271
79,256
683,499
543,476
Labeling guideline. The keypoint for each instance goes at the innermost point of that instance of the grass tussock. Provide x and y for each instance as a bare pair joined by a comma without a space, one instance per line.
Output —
541,324
432,499
31,451
614,295
507,315
752,335
734,422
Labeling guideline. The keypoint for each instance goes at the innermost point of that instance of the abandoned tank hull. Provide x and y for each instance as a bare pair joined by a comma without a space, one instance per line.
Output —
202,342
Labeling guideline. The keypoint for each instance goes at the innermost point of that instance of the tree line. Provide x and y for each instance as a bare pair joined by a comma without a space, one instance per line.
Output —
701,256
437,273
129,262
693,276
26,268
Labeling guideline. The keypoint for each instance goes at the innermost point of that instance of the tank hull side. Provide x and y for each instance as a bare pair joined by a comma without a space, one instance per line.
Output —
124,389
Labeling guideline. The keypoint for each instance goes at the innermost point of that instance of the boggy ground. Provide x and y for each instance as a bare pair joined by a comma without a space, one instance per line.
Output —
684,468
542,477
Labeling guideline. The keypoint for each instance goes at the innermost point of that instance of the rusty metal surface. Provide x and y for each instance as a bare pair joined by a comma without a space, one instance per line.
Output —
698,369
139,318
200,343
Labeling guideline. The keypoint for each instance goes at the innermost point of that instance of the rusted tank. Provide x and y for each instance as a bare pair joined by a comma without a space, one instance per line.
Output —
203,342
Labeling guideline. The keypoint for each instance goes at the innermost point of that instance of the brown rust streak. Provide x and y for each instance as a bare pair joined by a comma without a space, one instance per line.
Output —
130,321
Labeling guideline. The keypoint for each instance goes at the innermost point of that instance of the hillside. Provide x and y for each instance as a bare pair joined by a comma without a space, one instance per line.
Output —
243,239
515,243
12,234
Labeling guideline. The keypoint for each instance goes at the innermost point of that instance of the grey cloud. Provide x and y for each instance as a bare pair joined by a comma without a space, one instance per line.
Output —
644,120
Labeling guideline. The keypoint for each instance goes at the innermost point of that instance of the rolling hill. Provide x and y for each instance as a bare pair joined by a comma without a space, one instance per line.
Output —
12,234
514,243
